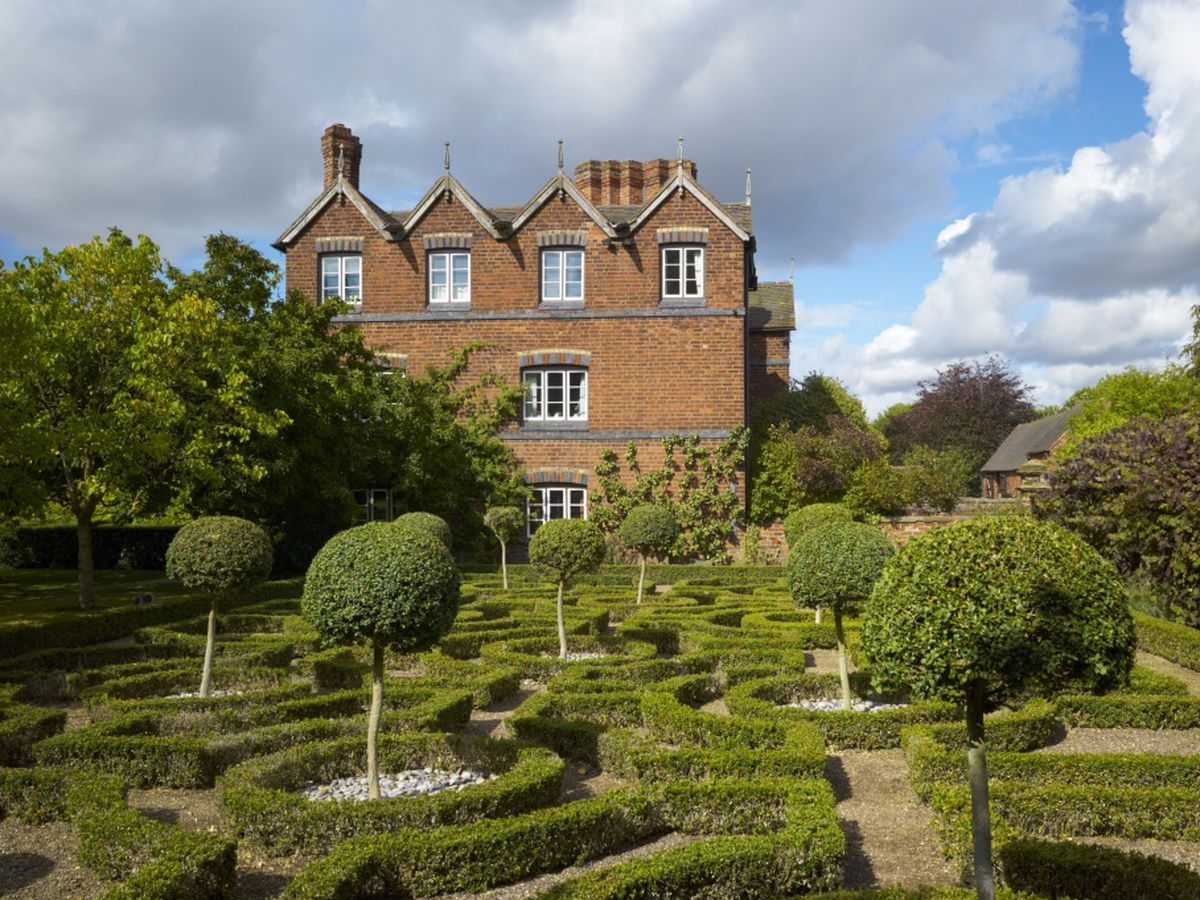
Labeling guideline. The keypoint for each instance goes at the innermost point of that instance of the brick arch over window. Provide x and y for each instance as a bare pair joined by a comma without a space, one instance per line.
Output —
576,477
554,357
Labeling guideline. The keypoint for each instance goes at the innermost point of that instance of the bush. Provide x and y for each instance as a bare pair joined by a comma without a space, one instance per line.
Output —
41,795
1093,873
812,516
435,525
935,479
1170,640
877,488
217,554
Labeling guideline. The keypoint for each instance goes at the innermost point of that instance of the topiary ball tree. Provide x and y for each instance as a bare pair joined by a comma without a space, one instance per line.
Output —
506,523
218,555
435,525
979,611
387,585
566,549
651,530
812,516
837,566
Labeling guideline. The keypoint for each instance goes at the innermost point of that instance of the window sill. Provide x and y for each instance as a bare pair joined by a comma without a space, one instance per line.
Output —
561,304
552,427
681,302
449,304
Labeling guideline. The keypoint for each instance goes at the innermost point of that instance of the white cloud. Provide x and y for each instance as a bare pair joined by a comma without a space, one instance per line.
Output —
182,119
1075,272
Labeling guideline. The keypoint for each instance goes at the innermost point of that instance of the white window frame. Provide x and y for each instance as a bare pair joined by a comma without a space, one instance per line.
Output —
541,498
376,505
535,384
341,292
683,251
560,254
449,256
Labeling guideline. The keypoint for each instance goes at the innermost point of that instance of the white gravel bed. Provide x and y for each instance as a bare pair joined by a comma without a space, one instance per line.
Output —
578,655
836,705
409,783
212,694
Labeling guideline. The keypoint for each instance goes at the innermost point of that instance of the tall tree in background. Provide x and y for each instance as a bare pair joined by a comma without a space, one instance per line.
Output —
969,406
1123,396
115,387
1191,351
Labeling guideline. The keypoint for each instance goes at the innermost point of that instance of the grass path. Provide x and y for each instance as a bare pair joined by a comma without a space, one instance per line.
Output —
889,836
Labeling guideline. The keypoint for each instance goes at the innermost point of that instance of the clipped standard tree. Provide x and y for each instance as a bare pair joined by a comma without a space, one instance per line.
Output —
804,519
980,611
837,566
506,523
435,525
219,555
389,585
566,549
651,530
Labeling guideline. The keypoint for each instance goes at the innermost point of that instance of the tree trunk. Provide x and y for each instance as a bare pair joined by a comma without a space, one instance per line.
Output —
981,820
818,618
210,644
843,665
642,579
562,629
504,563
373,724
87,583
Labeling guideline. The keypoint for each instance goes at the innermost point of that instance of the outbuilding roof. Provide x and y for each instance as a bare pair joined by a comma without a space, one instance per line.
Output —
772,307
1029,439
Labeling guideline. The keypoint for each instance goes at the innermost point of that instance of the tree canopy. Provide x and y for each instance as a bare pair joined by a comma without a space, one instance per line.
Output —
1120,397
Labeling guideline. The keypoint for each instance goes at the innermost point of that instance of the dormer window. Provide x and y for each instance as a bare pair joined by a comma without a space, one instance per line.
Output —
682,273
562,275
449,278
341,278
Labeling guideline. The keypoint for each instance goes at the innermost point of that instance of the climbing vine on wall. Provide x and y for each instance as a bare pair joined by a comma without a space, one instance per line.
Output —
699,485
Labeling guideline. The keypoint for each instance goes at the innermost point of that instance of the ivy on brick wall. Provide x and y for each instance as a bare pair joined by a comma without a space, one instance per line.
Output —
697,483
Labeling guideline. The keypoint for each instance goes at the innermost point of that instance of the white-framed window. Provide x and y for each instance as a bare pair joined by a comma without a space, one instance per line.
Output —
555,395
558,501
450,277
341,277
562,275
682,272
372,505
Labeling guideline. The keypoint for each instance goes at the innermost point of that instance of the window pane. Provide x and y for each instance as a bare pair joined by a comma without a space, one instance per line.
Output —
575,503
460,275
437,277
672,266
551,275
536,511
694,274
554,395
533,395
556,507
577,395
352,265
573,274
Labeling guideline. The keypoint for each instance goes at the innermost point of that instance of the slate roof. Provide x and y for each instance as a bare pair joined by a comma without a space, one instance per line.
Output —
739,212
772,307
1027,440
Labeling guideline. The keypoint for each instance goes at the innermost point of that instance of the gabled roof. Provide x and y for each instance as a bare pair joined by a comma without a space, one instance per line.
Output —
379,219
1029,439
448,184
772,307
684,182
561,182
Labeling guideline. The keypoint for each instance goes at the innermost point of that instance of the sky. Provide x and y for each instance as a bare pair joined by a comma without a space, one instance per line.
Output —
953,178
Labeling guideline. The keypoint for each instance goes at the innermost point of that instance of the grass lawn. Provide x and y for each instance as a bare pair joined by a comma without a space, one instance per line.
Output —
41,595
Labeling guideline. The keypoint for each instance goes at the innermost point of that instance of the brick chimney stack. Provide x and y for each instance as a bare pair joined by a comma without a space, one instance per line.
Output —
339,146
658,172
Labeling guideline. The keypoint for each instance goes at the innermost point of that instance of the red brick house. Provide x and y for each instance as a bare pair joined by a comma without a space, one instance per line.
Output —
624,299
1033,441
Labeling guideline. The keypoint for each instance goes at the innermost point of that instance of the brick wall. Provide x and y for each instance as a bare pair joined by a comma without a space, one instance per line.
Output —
766,365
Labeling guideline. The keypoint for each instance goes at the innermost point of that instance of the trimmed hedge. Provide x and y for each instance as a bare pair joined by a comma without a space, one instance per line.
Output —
627,754
261,801
1130,710
1170,640
23,726
1034,725
37,796
1093,873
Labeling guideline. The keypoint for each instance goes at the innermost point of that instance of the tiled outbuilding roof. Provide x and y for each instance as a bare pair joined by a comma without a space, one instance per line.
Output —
772,307
1029,439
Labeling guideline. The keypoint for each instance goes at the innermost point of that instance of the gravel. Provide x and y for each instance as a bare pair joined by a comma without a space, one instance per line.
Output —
579,655
836,705
409,783
211,695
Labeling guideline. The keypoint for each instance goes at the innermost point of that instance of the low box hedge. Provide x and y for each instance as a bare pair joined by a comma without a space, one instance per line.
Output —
1170,640
37,796
1033,725
142,760
571,724
537,658
23,726
1130,710
261,801
1066,869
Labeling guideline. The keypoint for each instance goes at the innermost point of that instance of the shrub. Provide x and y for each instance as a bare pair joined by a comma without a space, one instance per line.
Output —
566,549
980,610
507,523
837,566
877,488
218,555
1098,873
812,516
435,525
391,585
652,531
935,479
1170,640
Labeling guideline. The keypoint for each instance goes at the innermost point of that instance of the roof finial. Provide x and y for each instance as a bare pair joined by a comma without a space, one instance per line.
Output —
560,155
341,159
679,152
446,158
792,270
747,187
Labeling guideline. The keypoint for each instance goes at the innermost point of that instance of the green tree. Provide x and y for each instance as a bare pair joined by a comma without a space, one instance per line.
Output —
980,611
116,388
507,523
816,515
837,565
1191,351
218,555
877,488
389,585
1123,396
652,531
566,549
935,479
